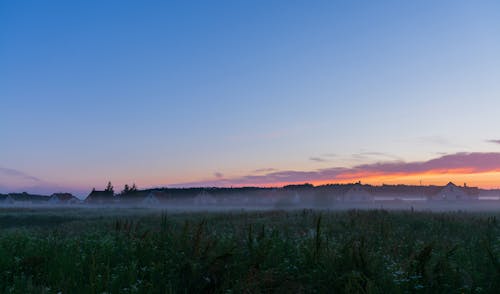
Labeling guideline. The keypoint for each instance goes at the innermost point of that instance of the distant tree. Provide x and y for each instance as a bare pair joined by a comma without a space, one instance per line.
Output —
109,188
305,185
134,188
126,189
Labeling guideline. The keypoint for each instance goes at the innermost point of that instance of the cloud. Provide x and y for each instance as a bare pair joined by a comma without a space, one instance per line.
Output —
264,170
365,155
493,141
323,158
12,180
7,174
317,159
462,163
438,140
472,162
218,175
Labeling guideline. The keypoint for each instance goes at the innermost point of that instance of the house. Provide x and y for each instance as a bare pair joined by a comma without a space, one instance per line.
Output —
452,192
489,194
204,198
357,193
288,199
63,198
25,198
400,192
330,193
100,197
296,199
151,199
7,200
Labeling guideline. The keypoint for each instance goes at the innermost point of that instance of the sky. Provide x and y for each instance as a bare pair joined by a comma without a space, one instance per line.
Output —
238,93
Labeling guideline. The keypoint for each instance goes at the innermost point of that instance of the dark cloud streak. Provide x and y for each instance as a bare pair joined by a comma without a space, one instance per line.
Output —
317,159
12,173
262,170
458,162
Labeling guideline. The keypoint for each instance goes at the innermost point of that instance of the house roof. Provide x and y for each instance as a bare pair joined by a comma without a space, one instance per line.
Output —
99,195
28,197
62,196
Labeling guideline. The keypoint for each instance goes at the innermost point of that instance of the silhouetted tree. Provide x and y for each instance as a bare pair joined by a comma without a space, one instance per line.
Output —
109,188
134,188
126,189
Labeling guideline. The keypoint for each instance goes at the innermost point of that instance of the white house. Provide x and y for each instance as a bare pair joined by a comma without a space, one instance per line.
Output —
150,200
452,192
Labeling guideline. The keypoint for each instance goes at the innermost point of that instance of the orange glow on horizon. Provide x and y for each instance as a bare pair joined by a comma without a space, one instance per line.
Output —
486,180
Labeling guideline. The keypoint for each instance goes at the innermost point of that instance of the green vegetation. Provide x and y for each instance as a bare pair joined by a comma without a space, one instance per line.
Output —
141,251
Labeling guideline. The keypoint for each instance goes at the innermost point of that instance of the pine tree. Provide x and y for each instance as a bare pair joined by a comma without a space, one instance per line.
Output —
109,188
126,189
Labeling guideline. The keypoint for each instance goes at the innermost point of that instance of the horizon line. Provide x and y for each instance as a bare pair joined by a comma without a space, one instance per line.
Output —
298,185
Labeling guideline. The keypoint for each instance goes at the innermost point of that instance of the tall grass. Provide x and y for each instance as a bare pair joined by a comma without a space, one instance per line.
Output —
249,252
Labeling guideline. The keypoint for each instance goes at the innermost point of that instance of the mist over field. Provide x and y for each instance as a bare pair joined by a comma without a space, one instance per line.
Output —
291,197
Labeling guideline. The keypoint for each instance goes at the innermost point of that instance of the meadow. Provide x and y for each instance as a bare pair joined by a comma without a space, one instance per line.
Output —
297,251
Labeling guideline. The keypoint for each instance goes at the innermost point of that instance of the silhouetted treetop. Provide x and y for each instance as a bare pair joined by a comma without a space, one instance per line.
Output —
109,188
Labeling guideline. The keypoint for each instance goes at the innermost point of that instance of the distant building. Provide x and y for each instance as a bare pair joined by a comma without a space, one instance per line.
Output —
489,194
100,197
357,193
401,192
7,200
28,199
204,198
63,198
296,198
452,192
151,199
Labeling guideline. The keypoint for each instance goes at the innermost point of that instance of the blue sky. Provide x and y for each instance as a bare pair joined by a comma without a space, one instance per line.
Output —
162,93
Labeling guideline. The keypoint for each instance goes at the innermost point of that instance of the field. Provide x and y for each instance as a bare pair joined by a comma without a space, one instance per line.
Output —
300,251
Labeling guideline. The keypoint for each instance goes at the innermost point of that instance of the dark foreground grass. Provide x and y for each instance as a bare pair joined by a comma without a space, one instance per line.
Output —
100,251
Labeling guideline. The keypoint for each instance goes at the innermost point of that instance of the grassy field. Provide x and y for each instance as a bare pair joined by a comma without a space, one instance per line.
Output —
304,251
